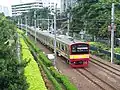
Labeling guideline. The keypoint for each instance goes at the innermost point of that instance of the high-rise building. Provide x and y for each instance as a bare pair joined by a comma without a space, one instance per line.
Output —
51,6
4,10
25,7
65,4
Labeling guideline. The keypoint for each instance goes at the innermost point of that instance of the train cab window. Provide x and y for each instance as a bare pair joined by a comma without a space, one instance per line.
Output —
80,49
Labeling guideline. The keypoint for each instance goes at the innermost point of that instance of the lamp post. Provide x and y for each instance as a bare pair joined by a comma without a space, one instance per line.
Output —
55,54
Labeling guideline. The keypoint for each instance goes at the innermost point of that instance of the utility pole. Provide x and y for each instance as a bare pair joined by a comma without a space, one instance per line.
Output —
26,23
68,21
18,21
21,22
38,24
112,33
55,35
48,23
35,23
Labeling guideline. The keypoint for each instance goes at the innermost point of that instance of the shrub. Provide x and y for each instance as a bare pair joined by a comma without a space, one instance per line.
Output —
117,62
100,45
32,72
117,50
55,83
46,61
31,44
62,79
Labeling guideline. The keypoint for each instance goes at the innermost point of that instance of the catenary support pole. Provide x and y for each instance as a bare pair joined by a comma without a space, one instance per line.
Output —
35,23
55,35
112,33
68,21
26,24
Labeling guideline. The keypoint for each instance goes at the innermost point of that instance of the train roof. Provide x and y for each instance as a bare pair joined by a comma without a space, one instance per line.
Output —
63,38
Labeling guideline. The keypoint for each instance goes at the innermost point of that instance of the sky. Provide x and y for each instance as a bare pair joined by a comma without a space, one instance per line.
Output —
8,3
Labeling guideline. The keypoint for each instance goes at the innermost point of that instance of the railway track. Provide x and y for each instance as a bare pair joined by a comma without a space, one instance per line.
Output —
109,68
103,85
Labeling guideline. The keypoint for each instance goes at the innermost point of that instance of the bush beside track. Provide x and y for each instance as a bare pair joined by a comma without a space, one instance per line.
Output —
103,51
51,72
31,71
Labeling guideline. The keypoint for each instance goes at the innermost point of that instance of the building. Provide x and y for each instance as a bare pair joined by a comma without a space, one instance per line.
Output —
25,7
65,4
4,10
51,6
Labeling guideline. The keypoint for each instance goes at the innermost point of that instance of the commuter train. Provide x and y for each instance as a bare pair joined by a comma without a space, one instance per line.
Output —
75,52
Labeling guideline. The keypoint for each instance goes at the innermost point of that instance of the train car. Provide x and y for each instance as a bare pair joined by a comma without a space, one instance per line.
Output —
75,52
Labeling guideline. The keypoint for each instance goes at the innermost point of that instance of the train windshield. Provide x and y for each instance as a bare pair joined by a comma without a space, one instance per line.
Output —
80,49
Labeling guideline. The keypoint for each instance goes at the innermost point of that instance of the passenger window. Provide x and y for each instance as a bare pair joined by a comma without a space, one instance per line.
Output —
62,47
65,48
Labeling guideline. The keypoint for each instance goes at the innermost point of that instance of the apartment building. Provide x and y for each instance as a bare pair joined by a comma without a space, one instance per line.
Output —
25,7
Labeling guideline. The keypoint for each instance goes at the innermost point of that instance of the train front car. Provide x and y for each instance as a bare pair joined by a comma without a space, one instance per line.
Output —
79,55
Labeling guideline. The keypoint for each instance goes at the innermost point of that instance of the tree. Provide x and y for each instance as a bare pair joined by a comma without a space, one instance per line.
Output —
10,77
40,14
96,15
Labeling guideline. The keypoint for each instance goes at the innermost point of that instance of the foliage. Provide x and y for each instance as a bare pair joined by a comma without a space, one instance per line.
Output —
62,79
20,31
117,50
40,14
11,71
45,60
55,83
31,44
42,56
100,45
94,16
32,72
104,56
103,46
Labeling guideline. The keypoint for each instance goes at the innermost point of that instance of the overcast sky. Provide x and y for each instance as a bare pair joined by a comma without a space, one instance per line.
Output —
8,3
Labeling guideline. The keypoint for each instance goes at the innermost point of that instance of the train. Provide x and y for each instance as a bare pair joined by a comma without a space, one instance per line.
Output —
74,51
